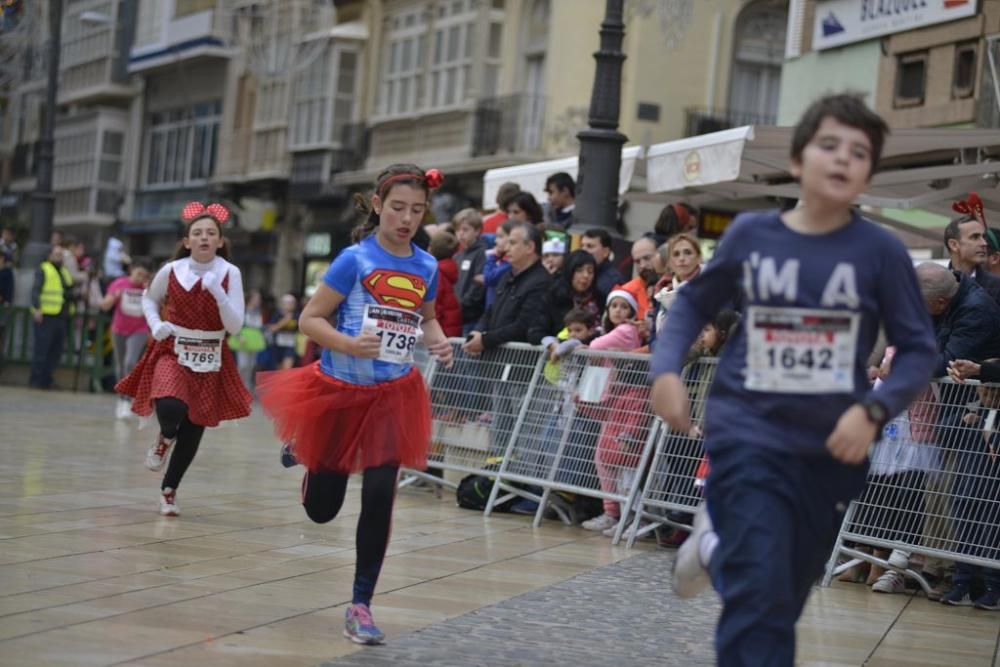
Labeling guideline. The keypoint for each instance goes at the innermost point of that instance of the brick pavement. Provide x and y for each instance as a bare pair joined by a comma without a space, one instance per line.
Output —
621,614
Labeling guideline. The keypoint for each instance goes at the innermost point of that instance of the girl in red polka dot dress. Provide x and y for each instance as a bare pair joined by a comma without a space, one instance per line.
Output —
188,375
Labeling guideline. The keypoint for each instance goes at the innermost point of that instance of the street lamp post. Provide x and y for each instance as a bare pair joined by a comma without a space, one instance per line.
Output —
43,201
601,144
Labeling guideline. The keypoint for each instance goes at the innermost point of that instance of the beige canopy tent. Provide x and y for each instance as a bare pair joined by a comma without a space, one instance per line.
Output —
922,169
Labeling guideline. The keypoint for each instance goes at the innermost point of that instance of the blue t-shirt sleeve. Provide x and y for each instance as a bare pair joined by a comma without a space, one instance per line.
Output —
432,285
343,271
698,301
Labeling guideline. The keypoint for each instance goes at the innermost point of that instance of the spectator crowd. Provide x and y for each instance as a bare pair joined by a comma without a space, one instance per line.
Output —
527,273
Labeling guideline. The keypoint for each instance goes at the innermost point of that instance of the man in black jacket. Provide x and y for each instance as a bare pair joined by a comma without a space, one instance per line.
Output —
966,321
517,315
968,249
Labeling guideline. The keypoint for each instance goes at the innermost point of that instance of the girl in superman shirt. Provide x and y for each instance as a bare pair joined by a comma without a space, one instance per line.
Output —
364,407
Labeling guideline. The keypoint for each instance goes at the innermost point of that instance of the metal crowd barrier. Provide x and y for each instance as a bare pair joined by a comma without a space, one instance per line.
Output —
933,486
585,427
582,426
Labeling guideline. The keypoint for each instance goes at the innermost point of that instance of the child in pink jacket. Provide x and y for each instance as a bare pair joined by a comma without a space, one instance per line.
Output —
624,418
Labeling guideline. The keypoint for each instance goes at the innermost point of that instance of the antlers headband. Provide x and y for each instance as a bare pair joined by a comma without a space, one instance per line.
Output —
194,210
972,206
433,178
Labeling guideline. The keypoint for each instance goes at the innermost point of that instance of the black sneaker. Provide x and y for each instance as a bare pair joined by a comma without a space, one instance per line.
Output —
990,600
288,456
958,596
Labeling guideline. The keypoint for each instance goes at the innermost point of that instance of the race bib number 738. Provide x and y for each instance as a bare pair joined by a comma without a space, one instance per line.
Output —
801,350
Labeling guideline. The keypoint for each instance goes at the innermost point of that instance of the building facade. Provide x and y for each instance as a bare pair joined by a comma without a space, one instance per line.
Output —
285,109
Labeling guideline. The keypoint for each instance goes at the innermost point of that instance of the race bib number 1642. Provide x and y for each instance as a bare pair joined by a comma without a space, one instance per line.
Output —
801,350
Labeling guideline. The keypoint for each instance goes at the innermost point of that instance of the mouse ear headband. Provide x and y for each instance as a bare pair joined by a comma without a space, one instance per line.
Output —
195,209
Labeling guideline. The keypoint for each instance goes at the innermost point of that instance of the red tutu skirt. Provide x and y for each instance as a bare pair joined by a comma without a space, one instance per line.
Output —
336,426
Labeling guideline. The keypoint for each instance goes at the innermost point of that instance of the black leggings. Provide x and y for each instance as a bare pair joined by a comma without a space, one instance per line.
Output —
174,423
323,496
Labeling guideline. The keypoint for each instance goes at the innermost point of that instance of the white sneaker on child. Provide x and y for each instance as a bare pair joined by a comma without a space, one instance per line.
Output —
890,582
690,568
600,523
900,559
157,454
168,503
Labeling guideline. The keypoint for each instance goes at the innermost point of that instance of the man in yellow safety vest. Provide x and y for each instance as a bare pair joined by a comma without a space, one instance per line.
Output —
51,307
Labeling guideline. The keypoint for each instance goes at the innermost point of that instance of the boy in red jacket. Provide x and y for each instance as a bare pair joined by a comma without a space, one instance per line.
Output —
448,311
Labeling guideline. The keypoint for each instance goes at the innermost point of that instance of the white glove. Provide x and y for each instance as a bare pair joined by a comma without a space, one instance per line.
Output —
211,283
163,330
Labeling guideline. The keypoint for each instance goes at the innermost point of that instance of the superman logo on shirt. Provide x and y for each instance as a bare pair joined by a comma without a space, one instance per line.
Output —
394,288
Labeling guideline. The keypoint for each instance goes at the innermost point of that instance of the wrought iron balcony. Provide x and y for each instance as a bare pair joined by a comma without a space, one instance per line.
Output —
511,124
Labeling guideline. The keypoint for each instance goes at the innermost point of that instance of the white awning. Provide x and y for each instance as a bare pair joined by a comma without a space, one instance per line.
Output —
531,177
921,168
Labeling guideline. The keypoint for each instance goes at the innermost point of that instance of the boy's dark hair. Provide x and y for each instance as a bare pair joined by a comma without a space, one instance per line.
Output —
506,194
582,316
726,322
506,226
600,234
443,245
562,181
848,109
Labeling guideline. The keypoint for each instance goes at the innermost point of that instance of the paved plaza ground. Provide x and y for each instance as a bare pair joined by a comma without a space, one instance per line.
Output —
90,574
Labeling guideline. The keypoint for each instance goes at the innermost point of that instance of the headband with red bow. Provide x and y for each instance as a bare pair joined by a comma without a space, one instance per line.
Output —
972,206
194,210
432,177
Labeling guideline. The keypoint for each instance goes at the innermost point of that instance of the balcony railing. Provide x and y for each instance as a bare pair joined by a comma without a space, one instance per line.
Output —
511,124
704,121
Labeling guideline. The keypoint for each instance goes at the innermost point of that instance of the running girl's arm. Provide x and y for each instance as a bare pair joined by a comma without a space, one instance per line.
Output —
153,298
315,323
231,303
434,337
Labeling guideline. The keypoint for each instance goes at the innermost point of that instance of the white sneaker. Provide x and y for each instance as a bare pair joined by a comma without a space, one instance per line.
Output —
168,503
157,454
890,582
900,559
600,523
123,409
690,574
610,531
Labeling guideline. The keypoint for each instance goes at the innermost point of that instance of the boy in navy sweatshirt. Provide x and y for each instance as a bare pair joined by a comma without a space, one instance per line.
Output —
791,415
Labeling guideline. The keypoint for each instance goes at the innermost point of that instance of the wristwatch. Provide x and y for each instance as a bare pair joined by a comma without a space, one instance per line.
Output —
876,412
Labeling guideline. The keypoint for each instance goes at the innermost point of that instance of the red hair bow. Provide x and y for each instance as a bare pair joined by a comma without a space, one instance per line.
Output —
434,178
194,210
972,206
